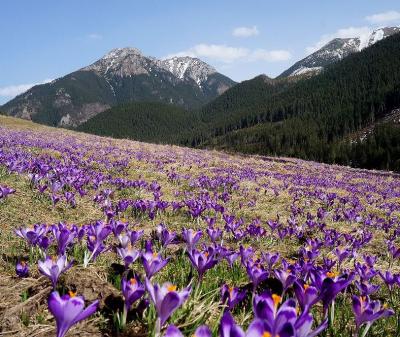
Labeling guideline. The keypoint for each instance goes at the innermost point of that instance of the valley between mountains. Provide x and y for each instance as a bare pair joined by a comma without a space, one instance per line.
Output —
313,110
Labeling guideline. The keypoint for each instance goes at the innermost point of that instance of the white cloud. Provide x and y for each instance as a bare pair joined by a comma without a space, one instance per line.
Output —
94,36
245,31
361,32
227,54
384,17
14,90
270,56
217,52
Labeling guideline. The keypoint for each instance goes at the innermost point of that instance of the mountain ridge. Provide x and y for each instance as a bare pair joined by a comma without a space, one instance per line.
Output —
335,50
120,76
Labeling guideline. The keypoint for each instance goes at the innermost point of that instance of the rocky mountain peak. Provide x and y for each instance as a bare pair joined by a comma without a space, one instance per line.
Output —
187,67
337,49
119,53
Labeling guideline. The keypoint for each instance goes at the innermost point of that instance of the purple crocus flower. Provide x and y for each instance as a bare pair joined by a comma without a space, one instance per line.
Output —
54,267
22,269
304,324
132,290
69,310
128,254
229,328
246,254
131,237
286,277
201,331
96,234
5,191
256,274
271,321
117,226
135,235
203,260
263,328
70,198
306,295
389,279
342,254
331,287
32,235
64,237
152,262
166,300
191,237
366,288
270,259
367,311
231,296
231,257
265,306
166,237
214,233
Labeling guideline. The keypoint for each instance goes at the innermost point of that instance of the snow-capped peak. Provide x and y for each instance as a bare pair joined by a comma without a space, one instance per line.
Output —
130,61
188,68
122,62
337,49
122,52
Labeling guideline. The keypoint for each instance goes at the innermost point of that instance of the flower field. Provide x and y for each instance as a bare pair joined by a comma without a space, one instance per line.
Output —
104,237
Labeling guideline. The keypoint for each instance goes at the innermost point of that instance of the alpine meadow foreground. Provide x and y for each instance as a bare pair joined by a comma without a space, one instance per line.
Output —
105,237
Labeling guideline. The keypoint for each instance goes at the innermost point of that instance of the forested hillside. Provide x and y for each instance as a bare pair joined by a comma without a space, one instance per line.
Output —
310,118
301,117
145,121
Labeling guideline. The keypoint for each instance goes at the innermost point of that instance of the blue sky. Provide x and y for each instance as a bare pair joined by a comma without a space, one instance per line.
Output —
42,40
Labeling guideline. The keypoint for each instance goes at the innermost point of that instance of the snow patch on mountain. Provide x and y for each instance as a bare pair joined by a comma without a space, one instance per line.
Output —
305,70
188,68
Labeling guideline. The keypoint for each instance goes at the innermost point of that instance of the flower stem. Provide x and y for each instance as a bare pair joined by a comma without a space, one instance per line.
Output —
123,317
158,328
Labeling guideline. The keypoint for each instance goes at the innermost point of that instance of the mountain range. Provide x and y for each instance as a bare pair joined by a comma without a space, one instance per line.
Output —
122,75
126,75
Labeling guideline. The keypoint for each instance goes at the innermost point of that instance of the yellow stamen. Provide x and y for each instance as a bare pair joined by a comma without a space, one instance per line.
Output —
71,293
155,255
277,299
362,302
230,291
171,288
133,281
23,263
266,334
306,286
330,274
